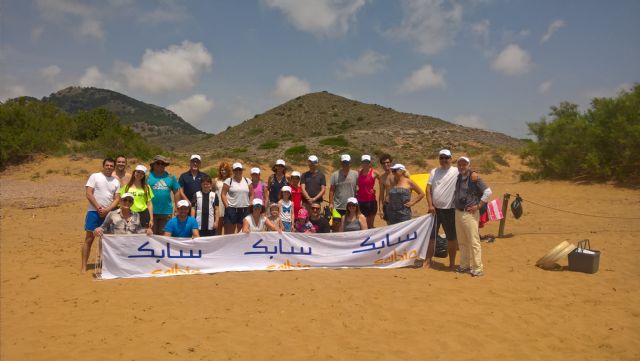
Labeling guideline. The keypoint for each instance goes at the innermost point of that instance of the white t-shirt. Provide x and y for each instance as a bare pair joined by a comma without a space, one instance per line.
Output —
238,194
443,185
104,189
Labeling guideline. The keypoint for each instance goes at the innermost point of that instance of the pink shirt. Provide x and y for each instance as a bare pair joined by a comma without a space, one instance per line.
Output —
366,182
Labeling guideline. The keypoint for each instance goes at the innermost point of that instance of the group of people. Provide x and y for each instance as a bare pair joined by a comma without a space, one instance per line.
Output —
196,205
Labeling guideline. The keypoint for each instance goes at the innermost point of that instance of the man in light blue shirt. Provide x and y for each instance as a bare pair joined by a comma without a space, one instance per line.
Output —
183,225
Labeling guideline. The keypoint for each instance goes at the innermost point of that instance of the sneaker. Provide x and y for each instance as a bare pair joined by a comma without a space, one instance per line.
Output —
461,269
476,273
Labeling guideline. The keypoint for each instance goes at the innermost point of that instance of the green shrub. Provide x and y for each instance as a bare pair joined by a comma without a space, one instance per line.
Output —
239,150
499,159
255,131
296,150
269,144
338,141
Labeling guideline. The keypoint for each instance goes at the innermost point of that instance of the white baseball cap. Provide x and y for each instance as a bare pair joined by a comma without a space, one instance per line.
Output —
141,168
195,156
398,166
280,162
236,166
257,202
286,189
313,158
352,200
255,170
465,159
183,203
446,152
365,158
345,158
127,195
295,173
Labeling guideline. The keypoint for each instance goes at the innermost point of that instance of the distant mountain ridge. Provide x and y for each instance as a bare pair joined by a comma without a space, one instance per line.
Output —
155,123
326,124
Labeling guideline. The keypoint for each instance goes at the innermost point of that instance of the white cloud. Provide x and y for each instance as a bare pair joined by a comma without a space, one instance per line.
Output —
319,17
470,120
545,87
512,61
194,108
167,12
50,72
368,63
74,11
430,24
93,77
553,27
424,78
289,86
11,90
176,68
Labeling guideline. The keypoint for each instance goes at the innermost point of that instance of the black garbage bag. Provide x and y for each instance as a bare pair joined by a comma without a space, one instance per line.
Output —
516,207
326,213
441,247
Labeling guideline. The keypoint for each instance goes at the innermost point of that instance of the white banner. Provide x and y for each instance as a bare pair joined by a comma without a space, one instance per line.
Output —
399,245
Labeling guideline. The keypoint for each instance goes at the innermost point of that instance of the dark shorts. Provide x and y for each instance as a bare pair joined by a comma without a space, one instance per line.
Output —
92,221
447,219
159,221
235,215
385,210
207,233
368,208
145,217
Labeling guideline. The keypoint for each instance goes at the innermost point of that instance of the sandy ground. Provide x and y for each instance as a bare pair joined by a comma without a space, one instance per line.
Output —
50,311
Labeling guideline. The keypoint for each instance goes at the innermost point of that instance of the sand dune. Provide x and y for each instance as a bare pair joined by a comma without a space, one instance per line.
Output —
50,311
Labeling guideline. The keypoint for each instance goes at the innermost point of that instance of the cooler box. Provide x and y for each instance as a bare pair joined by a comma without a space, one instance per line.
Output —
584,259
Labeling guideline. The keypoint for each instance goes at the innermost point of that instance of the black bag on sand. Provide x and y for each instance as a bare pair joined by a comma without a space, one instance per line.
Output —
584,259
516,207
441,247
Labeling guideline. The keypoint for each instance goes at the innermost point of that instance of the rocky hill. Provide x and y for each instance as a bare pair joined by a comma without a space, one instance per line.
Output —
155,123
326,124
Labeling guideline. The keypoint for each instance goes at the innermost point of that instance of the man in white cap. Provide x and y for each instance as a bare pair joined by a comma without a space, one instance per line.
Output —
182,225
191,179
122,220
470,195
440,189
344,183
101,190
314,183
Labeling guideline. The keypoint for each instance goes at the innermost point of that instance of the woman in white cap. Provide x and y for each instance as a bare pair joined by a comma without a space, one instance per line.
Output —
224,172
286,208
277,180
122,220
259,188
236,195
353,220
142,195
366,194
256,221
400,201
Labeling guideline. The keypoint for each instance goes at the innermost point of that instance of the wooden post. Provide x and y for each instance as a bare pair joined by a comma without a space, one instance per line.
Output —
505,203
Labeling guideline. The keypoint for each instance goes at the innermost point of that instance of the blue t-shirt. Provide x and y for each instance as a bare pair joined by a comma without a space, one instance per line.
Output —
181,229
162,187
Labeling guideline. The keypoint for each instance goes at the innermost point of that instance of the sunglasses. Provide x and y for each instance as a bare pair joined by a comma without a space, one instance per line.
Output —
315,208
237,169
161,164
445,157
127,200
257,206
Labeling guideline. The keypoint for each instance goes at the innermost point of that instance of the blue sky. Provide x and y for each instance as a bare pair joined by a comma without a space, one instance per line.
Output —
495,64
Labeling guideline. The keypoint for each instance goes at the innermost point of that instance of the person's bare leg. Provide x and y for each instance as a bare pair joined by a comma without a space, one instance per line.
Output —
452,248
370,219
238,228
229,228
86,250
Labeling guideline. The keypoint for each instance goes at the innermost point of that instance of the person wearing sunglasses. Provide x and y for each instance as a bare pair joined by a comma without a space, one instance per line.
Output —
440,189
316,218
166,192
400,201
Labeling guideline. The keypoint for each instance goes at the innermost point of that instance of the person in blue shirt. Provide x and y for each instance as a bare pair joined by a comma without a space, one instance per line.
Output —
166,191
182,225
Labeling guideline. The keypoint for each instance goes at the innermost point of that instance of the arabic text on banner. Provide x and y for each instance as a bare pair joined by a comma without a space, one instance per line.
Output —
399,245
